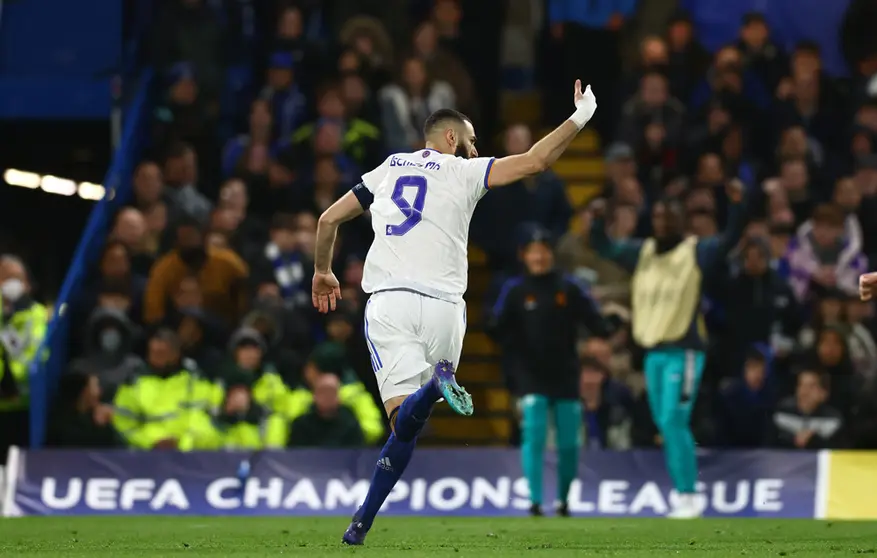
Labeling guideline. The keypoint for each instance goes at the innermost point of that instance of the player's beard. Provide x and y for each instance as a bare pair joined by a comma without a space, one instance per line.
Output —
462,151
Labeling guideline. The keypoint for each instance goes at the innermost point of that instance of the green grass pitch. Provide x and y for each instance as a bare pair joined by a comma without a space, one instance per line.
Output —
395,536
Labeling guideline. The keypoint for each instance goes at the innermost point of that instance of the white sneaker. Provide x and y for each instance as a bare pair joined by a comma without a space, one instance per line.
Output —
686,508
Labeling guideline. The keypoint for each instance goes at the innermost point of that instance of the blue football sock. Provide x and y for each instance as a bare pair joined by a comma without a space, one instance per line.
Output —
415,410
391,464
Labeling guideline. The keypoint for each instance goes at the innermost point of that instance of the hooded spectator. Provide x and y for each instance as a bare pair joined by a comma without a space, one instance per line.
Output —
110,341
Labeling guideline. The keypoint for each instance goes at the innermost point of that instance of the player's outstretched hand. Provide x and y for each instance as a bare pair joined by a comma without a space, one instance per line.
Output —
867,285
326,290
585,101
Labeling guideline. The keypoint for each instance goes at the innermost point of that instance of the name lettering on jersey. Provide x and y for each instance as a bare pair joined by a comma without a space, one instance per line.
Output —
397,162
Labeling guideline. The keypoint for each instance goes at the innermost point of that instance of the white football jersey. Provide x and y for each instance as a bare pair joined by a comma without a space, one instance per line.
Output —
423,203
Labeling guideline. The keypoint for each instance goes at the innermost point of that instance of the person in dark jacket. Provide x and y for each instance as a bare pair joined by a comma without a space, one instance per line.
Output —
79,420
759,308
537,319
805,420
110,340
746,405
328,424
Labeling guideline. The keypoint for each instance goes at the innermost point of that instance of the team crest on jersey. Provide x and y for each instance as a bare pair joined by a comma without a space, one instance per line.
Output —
426,153
529,302
560,299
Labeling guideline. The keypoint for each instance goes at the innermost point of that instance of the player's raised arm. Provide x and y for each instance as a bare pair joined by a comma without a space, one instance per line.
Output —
547,150
326,289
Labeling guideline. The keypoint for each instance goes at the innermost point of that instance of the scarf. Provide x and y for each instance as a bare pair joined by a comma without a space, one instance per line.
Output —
289,273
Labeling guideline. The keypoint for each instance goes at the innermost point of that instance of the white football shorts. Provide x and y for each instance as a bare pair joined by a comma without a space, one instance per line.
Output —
407,334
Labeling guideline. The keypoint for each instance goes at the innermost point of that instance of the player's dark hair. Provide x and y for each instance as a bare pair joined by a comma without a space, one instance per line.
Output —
440,117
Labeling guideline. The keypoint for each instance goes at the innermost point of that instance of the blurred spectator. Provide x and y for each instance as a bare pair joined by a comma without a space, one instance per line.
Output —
188,31
444,66
181,178
760,308
110,342
284,262
607,408
148,185
368,38
822,254
359,101
327,423
406,105
23,323
285,101
79,420
746,404
156,220
759,53
741,90
687,57
652,118
502,218
167,406
290,39
805,420
807,105
357,140
575,255
115,277
236,159
330,358
184,113
130,231
620,164
221,276
255,401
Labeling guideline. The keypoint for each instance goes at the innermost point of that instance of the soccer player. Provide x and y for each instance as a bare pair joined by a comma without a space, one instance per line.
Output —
416,272
670,271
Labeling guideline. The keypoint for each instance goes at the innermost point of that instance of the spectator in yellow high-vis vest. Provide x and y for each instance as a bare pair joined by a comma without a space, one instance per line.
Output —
168,406
23,324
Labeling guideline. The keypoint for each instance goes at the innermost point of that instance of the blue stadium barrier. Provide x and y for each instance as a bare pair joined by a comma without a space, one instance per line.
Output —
46,369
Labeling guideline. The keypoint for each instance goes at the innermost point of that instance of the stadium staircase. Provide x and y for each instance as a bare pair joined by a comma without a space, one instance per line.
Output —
581,168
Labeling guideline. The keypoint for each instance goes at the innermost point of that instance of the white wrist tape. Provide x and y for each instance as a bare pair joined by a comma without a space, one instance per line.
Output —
580,118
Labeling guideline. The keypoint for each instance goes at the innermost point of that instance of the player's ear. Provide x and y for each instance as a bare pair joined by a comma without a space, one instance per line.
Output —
451,136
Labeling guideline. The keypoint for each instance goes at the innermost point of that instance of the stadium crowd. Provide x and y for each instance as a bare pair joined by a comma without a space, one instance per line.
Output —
196,330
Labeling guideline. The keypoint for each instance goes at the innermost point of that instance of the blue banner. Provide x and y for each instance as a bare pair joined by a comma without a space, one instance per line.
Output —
476,482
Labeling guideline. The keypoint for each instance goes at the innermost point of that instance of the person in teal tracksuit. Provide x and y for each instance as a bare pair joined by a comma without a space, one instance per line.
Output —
537,319
670,271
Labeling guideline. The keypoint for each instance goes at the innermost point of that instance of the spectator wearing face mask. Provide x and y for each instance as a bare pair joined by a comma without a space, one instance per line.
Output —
23,323
110,339
221,276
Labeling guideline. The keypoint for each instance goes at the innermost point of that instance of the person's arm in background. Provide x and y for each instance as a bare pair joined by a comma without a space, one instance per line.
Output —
713,251
828,434
502,324
623,252
158,290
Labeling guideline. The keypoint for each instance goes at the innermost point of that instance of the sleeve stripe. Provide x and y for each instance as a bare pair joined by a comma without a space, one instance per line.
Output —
487,173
